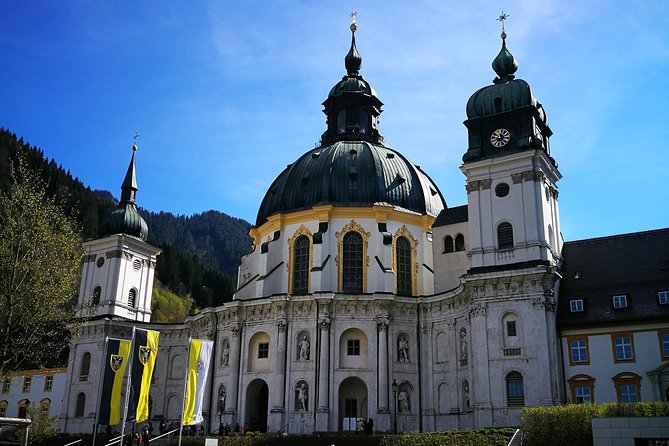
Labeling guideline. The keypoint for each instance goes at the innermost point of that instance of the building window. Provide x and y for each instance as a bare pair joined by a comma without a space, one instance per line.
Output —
27,383
301,265
448,244
505,236
502,190
97,292
515,395
48,383
85,367
23,409
44,407
80,406
350,408
6,385
352,263
628,387
511,328
582,389
459,242
663,336
663,297
132,298
263,350
3,409
578,350
623,347
353,347
403,255
576,305
620,301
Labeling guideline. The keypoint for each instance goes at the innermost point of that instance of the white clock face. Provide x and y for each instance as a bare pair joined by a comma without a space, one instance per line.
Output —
500,137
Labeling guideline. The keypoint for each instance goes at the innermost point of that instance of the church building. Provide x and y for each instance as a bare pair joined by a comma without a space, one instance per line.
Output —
366,296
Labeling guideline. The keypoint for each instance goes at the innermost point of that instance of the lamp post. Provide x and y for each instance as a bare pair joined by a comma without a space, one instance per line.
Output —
395,404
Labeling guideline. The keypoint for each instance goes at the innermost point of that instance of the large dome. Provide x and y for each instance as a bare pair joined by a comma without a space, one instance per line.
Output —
352,173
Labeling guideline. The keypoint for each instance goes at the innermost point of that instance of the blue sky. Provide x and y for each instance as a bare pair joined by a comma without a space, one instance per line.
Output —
225,94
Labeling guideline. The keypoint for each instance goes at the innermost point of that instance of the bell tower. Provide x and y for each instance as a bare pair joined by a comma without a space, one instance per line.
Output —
511,177
117,276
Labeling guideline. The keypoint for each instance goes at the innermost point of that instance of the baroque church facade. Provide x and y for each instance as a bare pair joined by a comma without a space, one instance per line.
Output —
364,295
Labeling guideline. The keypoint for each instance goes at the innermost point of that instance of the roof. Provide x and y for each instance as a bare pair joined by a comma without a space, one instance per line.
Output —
351,174
594,270
449,216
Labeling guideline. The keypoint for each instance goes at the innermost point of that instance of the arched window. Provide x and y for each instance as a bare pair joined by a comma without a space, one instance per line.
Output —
404,280
23,408
341,121
132,298
301,265
81,405
364,121
352,273
459,242
44,407
505,235
515,395
85,368
448,244
97,291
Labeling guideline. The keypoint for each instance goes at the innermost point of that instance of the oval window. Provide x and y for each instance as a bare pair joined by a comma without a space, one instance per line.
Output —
502,190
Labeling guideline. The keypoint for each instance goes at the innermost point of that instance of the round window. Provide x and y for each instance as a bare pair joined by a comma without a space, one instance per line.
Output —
502,190
137,264
100,262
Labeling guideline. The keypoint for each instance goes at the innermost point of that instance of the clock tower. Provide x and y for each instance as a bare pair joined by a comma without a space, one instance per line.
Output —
511,177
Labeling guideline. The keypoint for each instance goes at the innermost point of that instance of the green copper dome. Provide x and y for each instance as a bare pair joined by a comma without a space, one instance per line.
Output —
126,219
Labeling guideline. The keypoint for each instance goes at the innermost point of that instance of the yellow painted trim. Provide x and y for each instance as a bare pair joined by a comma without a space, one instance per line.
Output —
302,230
404,232
324,213
36,372
352,226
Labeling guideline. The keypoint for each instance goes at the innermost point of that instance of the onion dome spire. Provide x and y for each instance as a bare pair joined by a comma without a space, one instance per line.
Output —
505,64
126,219
353,60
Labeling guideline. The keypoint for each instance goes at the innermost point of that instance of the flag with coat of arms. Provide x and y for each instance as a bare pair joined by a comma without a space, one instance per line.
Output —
198,368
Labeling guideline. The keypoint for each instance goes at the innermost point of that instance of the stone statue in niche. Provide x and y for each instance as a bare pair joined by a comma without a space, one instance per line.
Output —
221,399
226,354
403,401
403,345
464,354
465,391
302,395
304,348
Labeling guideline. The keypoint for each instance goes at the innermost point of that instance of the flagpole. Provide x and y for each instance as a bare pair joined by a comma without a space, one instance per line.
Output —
183,402
127,387
97,408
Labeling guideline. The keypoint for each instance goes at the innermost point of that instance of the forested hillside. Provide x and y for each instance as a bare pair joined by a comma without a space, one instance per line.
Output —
200,252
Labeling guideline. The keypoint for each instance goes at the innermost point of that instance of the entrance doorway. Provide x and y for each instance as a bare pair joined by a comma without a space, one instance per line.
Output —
352,403
257,402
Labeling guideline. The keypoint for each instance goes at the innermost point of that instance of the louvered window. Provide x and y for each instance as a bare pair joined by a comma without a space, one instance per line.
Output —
448,244
352,263
403,253
301,265
505,236
132,297
515,394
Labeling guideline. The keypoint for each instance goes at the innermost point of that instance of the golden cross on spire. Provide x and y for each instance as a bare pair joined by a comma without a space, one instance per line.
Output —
502,18
354,14
354,25
135,137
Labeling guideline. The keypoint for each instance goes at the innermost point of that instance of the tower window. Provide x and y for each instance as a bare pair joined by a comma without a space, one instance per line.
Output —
364,121
100,262
352,263
515,394
301,265
404,280
498,105
341,121
505,236
448,244
502,190
576,305
85,367
353,347
263,350
459,242
132,298
81,405
97,291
